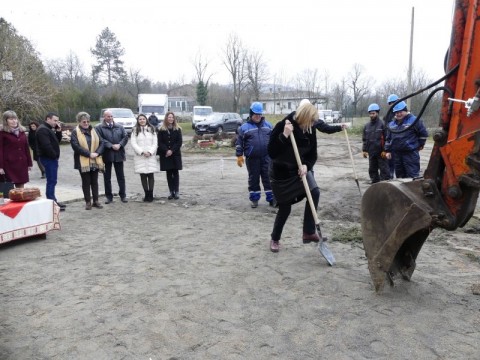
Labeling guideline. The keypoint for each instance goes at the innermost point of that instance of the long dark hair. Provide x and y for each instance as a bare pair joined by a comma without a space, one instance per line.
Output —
148,125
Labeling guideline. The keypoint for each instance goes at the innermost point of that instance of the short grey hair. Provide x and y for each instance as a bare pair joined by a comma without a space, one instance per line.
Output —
82,115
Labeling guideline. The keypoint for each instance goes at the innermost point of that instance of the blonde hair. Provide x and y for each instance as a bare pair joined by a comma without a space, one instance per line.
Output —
165,124
82,115
10,114
305,116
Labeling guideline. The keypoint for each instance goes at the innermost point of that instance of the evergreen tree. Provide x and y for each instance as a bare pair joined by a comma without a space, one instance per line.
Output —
108,51
202,93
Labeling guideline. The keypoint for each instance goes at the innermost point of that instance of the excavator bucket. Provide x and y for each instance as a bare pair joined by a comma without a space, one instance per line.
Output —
396,222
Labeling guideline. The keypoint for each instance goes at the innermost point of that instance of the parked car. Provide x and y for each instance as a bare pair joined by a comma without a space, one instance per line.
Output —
122,116
217,123
326,115
337,116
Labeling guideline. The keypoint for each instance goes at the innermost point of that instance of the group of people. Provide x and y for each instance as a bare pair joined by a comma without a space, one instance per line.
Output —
268,152
96,149
15,158
103,147
392,145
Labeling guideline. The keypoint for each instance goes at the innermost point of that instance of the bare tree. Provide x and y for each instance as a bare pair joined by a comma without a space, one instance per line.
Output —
202,79
200,64
359,85
339,96
137,83
25,86
257,73
66,71
74,69
235,62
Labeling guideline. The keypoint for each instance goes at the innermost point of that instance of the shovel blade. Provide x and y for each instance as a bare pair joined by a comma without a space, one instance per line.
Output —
326,253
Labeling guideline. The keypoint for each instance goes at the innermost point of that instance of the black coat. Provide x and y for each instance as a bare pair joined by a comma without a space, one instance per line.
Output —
32,142
111,136
78,150
374,136
280,150
48,141
170,140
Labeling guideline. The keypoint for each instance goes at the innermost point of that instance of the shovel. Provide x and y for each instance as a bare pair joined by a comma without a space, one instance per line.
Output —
322,246
353,162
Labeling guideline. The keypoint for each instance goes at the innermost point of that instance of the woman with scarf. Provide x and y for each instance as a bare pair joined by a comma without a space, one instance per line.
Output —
285,174
15,159
32,142
144,144
169,145
87,149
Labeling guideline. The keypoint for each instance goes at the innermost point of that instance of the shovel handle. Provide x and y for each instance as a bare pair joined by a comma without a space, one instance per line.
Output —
351,155
304,179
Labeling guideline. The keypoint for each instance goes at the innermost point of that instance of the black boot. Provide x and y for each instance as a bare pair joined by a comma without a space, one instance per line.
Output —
171,196
175,195
150,195
146,196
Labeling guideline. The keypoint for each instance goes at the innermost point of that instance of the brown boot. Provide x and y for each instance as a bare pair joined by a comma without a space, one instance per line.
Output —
88,206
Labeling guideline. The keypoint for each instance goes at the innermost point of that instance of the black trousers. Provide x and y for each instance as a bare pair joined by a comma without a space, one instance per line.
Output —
284,210
90,181
107,179
173,180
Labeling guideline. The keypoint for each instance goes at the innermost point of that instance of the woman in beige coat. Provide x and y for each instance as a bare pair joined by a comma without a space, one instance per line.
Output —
144,142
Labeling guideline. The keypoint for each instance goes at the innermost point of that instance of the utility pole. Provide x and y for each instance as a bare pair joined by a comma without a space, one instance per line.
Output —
409,82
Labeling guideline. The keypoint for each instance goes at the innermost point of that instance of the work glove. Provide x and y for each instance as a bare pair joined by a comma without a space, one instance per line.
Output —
365,154
240,161
383,154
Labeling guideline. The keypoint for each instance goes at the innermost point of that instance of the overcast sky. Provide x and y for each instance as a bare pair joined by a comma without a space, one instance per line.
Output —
161,38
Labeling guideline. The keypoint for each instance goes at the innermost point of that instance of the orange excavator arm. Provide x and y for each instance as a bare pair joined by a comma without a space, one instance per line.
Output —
447,194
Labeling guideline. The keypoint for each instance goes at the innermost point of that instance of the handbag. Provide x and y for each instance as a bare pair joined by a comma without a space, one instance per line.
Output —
5,186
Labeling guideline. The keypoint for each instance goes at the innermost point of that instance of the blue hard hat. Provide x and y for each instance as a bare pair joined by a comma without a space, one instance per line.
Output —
392,98
257,108
402,105
373,107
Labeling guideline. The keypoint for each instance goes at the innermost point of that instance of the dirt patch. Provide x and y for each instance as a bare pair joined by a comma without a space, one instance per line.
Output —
194,278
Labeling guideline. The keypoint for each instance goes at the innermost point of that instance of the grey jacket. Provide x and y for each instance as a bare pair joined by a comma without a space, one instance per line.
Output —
110,136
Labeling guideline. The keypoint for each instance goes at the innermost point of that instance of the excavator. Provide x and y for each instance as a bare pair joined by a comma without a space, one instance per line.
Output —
447,193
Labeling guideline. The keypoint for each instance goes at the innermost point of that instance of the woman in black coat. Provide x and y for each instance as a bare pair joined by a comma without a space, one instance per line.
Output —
169,145
32,142
285,175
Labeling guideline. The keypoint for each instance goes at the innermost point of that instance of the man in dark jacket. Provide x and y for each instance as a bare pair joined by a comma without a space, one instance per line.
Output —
48,137
252,142
153,120
373,139
115,139
406,137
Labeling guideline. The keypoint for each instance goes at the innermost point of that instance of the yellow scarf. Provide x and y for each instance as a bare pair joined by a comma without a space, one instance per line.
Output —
86,163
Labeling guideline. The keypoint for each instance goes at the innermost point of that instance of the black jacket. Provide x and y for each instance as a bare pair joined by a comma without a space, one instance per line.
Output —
170,140
78,150
284,165
48,141
374,137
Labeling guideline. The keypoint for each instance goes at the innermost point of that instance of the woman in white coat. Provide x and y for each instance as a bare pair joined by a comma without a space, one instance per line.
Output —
144,142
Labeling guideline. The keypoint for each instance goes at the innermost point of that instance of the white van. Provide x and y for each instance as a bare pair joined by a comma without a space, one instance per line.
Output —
200,113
